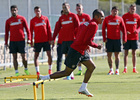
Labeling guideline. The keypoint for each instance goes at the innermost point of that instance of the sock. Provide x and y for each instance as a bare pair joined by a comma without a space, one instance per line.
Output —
117,70
25,68
72,75
50,67
84,86
37,68
134,67
111,69
125,67
47,77
80,68
16,71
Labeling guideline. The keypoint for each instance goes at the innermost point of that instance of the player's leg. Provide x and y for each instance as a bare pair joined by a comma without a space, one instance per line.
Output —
24,61
134,60
36,56
49,61
59,57
15,62
110,61
90,68
80,69
117,61
125,60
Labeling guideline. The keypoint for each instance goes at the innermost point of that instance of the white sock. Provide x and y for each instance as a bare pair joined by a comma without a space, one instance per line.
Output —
134,67
72,75
84,86
47,77
16,71
25,68
111,69
50,67
117,70
125,67
80,68
37,68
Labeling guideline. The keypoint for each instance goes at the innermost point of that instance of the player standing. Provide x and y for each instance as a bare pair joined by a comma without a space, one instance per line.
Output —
16,24
59,45
132,23
42,37
67,23
77,52
82,18
114,25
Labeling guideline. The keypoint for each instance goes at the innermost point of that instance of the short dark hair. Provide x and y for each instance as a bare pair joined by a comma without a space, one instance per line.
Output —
133,5
78,5
61,12
96,12
36,7
13,6
65,3
115,7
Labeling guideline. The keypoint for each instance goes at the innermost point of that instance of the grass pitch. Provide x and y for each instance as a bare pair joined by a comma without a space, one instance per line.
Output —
104,87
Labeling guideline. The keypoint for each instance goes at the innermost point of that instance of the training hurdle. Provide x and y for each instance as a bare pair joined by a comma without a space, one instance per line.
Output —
42,87
19,78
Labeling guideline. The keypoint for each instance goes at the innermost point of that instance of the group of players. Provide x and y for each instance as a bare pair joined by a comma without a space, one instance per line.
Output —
75,35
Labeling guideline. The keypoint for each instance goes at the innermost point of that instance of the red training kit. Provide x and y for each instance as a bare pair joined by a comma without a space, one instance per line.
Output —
85,36
41,28
132,23
83,18
16,27
114,25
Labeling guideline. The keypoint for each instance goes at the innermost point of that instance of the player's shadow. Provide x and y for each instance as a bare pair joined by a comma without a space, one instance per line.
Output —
69,99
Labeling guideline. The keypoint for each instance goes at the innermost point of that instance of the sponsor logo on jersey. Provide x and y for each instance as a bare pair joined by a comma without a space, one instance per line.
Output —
16,23
66,22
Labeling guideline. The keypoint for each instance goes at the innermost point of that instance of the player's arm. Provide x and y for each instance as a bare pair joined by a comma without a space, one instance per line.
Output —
7,29
76,23
27,31
49,31
56,30
138,26
103,30
123,29
31,30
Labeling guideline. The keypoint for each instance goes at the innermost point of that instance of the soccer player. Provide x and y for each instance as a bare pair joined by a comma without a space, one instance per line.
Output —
114,25
59,45
77,52
132,23
67,23
16,24
42,37
82,18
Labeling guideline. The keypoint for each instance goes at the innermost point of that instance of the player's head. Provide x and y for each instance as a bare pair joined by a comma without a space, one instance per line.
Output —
37,11
132,8
79,8
98,15
114,11
66,7
62,12
14,10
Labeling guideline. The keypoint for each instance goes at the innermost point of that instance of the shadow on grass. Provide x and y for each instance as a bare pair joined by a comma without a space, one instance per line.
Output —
56,99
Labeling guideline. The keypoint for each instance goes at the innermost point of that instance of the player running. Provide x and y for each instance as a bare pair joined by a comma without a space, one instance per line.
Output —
132,23
15,25
114,25
42,37
77,52
67,23
82,18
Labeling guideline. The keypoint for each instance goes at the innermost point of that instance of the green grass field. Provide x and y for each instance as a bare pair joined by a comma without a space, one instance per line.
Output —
104,87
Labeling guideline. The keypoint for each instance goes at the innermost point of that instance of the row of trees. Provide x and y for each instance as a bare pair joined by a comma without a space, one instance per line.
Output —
126,1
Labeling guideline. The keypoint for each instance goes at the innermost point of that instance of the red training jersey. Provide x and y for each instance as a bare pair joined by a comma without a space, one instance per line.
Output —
67,24
16,27
85,36
83,18
114,25
132,23
41,28
60,36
